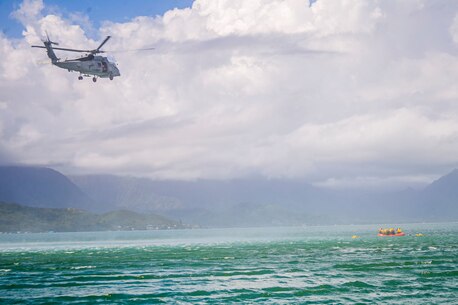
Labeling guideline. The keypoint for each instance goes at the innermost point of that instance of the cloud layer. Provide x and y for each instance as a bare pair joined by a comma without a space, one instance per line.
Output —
334,92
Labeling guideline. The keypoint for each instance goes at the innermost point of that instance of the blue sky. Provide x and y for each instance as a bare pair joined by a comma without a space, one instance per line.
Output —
97,11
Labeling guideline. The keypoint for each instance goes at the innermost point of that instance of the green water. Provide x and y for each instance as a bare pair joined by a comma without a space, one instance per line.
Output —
313,265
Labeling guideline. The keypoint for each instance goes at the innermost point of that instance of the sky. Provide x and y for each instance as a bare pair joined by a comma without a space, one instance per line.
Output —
95,12
341,94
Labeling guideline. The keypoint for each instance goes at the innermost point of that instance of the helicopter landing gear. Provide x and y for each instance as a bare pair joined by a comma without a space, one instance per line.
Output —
94,79
80,77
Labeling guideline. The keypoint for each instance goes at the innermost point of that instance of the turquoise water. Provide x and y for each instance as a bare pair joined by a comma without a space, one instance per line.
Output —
310,265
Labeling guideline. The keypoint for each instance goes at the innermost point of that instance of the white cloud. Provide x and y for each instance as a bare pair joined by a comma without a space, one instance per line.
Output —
454,29
375,183
334,91
28,11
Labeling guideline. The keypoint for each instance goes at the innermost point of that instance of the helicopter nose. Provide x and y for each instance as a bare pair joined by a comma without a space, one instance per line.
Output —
115,71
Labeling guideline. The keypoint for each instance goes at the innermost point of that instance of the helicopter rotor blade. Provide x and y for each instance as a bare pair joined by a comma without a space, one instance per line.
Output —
101,45
94,51
43,62
73,50
130,50
64,49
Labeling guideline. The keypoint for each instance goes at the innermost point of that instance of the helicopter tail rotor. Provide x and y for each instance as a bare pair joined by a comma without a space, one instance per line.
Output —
49,40
49,49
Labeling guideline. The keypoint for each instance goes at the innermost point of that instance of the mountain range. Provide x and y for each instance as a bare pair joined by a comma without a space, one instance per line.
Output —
238,202
40,187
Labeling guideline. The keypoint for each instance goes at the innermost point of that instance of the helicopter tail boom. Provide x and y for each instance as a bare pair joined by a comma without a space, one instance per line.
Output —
49,50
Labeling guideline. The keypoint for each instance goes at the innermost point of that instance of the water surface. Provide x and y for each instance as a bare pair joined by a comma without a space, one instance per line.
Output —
308,265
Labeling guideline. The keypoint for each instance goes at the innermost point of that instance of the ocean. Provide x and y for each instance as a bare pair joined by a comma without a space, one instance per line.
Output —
287,265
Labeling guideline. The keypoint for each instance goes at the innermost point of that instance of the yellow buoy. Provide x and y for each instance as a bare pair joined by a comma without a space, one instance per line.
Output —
418,234
355,236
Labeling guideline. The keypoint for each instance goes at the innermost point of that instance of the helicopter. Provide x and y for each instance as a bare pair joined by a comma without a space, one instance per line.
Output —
89,65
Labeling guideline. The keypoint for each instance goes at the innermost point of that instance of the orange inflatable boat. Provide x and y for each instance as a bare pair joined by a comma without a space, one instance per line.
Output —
397,234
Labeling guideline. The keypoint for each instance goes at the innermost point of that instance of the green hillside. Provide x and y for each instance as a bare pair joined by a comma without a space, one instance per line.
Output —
18,218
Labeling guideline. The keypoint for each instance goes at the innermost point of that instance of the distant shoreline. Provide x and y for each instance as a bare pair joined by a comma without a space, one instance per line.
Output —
16,218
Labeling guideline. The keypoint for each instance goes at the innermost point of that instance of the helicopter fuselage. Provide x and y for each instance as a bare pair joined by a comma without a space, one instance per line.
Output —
91,65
